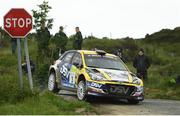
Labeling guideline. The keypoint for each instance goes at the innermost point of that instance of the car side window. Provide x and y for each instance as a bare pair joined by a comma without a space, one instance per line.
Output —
67,58
77,60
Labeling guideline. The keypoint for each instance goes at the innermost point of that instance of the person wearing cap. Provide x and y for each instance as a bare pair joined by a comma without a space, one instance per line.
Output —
141,63
78,39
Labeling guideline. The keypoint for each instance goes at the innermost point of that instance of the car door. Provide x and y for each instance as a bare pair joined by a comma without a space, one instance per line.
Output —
64,69
76,67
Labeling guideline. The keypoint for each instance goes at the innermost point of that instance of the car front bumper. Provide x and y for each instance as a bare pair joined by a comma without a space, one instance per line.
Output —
114,90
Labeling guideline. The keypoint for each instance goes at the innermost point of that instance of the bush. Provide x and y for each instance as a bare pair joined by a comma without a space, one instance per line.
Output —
41,75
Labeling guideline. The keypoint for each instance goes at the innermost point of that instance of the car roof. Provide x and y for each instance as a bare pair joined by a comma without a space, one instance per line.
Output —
93,52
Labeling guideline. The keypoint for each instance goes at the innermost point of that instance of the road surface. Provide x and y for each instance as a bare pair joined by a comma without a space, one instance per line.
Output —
121,107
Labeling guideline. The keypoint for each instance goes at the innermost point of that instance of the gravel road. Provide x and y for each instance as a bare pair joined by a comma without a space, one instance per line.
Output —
121,107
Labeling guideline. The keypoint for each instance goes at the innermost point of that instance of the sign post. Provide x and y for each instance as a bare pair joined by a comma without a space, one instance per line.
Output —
18,23
19,64
28,64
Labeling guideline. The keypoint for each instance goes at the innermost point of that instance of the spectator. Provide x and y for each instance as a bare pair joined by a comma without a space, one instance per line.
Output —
120,54
78,39
60,40
141,63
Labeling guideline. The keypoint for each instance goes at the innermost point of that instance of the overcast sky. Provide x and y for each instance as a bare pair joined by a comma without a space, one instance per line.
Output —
110,18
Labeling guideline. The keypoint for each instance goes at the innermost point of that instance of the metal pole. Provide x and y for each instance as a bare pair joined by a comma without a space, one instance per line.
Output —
28,64
19,64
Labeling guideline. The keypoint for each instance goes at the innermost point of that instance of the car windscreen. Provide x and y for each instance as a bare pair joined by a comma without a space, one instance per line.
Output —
104,61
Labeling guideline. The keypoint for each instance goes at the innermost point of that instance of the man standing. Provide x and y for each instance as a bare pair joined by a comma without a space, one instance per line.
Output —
120,54
141,63
60,40
78,39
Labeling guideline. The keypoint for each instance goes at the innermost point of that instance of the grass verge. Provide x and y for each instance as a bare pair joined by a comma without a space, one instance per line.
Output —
16,102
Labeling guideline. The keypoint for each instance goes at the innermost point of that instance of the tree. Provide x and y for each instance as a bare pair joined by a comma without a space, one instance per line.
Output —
42,24
40,16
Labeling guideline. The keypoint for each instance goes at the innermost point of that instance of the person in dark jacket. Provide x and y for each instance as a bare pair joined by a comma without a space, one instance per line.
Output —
141,63
60,40
78,39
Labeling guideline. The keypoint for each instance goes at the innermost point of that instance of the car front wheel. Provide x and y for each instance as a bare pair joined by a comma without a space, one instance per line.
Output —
52,85
81,90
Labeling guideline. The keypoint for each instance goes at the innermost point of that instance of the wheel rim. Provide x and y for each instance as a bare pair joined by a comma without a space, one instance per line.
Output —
81,90
51,82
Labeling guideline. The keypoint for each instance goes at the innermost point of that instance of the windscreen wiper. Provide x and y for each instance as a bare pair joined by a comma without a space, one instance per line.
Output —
94,67
116,69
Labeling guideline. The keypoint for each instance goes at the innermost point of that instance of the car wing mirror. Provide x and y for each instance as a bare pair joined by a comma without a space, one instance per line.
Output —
78,65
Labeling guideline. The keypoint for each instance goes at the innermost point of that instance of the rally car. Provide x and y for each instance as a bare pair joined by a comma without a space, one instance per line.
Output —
94,73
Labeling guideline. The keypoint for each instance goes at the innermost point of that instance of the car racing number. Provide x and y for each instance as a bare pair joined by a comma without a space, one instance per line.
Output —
68,76
64,71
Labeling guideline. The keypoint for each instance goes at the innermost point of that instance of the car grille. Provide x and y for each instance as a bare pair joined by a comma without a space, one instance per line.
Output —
120,89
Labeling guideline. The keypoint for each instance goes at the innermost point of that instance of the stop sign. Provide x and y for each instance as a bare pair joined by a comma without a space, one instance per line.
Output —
17,22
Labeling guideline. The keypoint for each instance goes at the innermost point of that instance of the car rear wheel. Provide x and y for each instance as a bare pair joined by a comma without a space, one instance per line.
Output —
81,90
52,85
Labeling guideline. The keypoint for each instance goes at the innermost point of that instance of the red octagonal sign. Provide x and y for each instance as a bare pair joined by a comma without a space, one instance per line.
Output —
17,22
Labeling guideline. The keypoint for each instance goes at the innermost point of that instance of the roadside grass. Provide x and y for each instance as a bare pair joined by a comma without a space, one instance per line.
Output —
16,102
46,103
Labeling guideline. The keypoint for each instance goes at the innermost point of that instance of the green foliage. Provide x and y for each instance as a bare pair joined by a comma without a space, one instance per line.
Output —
41,75
40,16
111,45
172,81
4,38
165,36
44,54
42,24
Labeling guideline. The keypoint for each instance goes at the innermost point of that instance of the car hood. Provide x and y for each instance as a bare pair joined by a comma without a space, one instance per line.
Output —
114,75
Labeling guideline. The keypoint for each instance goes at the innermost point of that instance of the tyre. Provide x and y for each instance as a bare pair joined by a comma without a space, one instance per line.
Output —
131,101
81,90
52,85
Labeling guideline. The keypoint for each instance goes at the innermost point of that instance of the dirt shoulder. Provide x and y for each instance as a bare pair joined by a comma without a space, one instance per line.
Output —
121,107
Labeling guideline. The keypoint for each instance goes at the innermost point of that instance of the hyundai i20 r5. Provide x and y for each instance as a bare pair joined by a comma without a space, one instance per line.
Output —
94,73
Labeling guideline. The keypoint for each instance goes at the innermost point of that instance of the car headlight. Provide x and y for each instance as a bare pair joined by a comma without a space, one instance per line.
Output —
140,89
97,76
136,80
